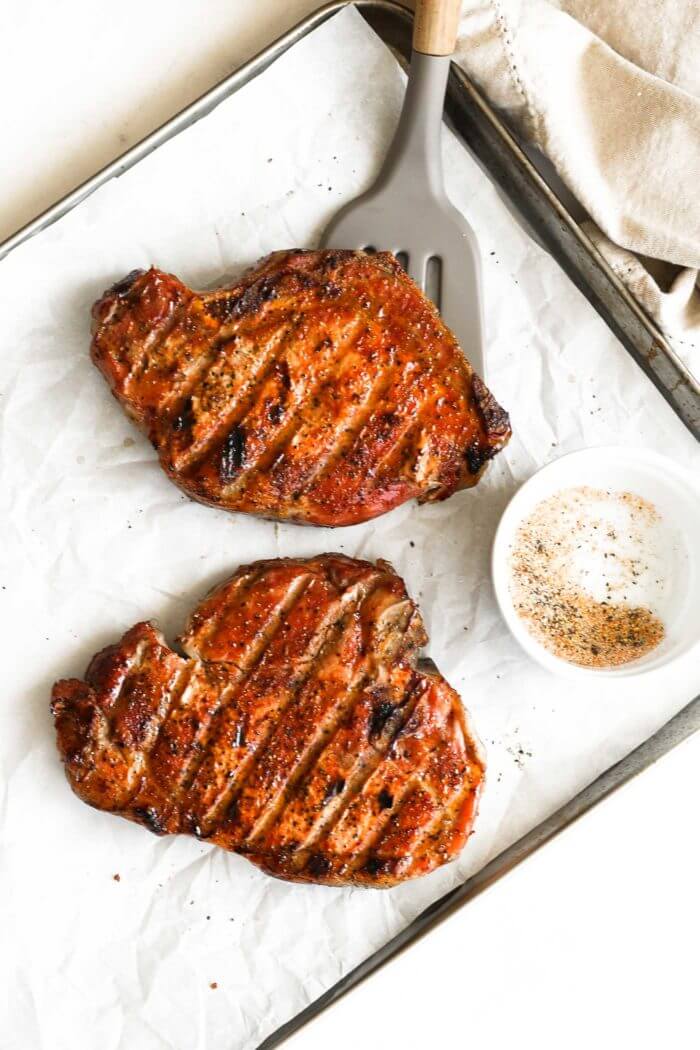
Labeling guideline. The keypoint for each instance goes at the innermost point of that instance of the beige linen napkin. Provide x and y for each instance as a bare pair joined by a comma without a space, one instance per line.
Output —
609,91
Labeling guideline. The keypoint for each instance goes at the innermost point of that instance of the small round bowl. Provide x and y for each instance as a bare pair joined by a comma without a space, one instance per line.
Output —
673,491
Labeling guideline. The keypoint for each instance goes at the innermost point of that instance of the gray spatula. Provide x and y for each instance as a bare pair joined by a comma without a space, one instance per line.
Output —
407,210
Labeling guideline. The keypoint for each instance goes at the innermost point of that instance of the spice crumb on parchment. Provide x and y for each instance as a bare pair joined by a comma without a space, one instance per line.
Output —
575,561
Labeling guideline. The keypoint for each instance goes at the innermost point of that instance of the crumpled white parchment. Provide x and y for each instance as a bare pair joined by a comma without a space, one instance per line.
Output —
95,538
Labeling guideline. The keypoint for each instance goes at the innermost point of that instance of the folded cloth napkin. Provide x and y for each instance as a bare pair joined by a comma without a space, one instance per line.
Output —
609,91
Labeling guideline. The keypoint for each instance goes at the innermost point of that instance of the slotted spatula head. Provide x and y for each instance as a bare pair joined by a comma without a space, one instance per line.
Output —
407,211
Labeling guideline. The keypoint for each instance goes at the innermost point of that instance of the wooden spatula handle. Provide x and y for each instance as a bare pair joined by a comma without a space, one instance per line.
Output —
435,26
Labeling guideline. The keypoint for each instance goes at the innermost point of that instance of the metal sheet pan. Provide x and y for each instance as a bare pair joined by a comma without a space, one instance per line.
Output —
554,226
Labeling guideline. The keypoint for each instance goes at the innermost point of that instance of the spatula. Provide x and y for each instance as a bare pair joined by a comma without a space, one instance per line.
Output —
407,210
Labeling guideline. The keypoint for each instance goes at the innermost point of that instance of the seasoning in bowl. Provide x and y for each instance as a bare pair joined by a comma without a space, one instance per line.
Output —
586,574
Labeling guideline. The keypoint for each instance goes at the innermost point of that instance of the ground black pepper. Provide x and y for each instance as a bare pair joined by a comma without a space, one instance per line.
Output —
557,610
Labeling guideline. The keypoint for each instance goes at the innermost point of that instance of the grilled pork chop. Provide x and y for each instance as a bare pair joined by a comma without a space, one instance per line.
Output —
322,389
300,730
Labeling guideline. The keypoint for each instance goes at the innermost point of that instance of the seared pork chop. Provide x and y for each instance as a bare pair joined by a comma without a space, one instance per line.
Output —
323,388
300,729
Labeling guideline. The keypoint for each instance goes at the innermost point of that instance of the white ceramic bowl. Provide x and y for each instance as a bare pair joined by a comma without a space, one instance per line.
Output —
676,495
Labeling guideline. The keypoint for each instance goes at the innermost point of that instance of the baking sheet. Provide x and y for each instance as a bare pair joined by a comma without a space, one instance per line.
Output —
96,538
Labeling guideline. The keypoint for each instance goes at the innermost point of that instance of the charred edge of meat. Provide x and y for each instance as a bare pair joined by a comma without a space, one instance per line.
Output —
150,819
333,259
377,866
123,286
476,455
427,666
198,831
232,455
318,866
223,308
496,419
386,800
74,718
258,293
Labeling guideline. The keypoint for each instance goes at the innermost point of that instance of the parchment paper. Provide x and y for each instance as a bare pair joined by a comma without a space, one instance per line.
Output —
95,538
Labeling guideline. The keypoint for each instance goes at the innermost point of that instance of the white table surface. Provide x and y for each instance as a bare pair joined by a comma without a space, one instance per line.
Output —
593,941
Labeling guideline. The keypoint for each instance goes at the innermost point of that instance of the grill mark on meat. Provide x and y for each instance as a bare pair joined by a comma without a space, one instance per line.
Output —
141,706
114,668
381,714
446,781
272,810
412,440
185,417
149,818
334,790
475,456
383,820
275,449
390,391
390,623
321,642
380,772
208,389
177,739
346,432
248,402
405,448
419,791
261,698
256,295
321,734
172,403
232,455
201,627
254,656
365,766
406,463
444,821
335,793
147,692
401,772
170,702
393,850
155,343
373,443
133,665
458,812
154,340
331,800
412,446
